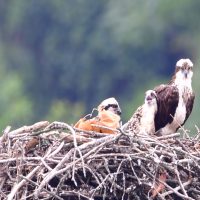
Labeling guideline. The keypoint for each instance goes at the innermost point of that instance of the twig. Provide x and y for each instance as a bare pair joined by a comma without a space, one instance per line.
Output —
164,137
180,182
176,189
32,182
57,170
25,129
16,187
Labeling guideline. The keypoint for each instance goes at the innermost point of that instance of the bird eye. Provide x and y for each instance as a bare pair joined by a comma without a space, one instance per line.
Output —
111,105
114,105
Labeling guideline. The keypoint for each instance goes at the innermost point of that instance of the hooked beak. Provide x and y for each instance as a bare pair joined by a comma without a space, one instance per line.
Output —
185,73
148,98
118,111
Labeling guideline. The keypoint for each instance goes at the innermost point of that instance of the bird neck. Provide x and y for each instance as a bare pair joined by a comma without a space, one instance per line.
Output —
181,81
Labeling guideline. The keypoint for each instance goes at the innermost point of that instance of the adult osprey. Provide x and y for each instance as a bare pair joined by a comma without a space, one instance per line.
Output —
175,100
142,120
107,120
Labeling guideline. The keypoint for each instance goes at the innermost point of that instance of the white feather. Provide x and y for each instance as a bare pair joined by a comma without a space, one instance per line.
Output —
182,61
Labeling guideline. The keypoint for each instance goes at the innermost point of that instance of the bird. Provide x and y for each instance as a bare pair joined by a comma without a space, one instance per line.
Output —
175,100
142,121
107,120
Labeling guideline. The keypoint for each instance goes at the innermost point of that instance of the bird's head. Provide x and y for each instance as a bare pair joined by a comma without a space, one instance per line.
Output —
184,69
150,97
110,104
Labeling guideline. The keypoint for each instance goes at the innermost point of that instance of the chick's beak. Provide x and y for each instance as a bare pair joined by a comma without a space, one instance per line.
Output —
148,98
118,111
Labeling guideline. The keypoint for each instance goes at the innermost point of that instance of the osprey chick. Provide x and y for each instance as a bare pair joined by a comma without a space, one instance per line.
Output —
108,116
142,120
175,100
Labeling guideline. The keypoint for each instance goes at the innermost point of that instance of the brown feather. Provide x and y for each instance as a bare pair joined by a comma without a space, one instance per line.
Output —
167,98
189,106
133,125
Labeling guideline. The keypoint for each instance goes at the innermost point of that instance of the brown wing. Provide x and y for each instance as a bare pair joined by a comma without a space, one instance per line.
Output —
134,123
167,100
189,106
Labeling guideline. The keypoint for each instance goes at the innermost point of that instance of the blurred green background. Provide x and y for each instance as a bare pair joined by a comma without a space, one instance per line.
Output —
59,59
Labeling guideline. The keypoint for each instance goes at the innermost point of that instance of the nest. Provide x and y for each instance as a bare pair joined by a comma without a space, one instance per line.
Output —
55,161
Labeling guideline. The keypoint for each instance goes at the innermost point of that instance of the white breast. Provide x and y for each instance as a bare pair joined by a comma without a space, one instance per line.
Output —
147,120
180,113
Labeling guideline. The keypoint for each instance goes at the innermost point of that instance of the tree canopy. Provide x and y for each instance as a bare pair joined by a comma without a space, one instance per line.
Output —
59,59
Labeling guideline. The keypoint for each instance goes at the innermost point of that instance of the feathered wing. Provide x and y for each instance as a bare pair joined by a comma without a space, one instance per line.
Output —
167,100
189,106
133,124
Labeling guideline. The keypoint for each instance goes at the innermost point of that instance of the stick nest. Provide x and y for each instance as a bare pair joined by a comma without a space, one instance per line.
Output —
55,161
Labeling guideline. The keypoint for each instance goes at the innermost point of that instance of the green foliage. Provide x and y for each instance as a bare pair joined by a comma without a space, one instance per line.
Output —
15,106
65,111
59,59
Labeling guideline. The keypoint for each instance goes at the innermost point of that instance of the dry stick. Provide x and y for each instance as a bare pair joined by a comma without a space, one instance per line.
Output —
138,180
24,159
68,137
67,193
135,155
91,134
99,186
154,182
16,187
57,150
124,185
183,146
24,193
92,172
20,184
181,184
198,133
168,136
110,179
186,153
159,195
169,187
176,189
35,184
57,170
73,168
45,164
5,134
64,125
4,196
106,164
27,129
2,181
79,151
115,174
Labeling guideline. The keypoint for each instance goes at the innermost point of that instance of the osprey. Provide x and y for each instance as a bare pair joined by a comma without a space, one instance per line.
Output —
108,116
142,120
111,105
175,99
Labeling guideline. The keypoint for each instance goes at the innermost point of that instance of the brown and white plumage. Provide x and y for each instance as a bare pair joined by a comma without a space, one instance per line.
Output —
111,105
107,120
175,100
142,120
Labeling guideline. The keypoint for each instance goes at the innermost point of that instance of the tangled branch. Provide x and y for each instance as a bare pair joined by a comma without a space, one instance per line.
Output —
56,161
